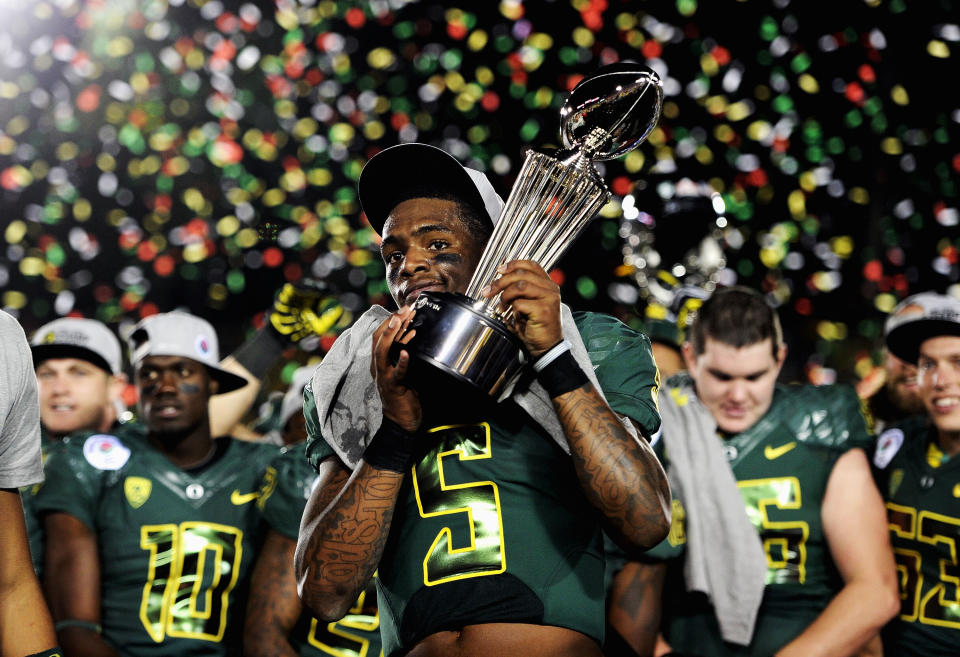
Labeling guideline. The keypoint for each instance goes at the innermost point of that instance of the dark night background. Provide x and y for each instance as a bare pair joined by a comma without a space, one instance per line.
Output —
161,154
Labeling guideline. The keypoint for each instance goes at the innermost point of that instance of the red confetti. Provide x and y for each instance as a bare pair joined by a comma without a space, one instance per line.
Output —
293,272
89,99
491,101
163,265
651,49
273,257
457,30
355,18
721,54
854,93
621,185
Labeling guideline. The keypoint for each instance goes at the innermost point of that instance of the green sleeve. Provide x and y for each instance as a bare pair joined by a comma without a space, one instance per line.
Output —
288,482
623,363
72,484
317,448
860,420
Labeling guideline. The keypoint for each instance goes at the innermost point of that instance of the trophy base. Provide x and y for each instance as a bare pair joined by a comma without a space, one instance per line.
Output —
477,351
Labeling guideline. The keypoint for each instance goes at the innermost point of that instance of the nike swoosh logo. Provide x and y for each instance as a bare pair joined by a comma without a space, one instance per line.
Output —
776,452
238,498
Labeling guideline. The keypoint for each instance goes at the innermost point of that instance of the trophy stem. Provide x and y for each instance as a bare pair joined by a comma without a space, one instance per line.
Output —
551,201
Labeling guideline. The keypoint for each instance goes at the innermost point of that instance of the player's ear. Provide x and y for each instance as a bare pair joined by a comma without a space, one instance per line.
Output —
116,384
781,356
689,356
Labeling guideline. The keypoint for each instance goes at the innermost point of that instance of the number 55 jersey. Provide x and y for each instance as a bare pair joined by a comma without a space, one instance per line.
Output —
176,547
782,465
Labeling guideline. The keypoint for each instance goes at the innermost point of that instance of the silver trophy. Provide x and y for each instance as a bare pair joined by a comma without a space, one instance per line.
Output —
466,336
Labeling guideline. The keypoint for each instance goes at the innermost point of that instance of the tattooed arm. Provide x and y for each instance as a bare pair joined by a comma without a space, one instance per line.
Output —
620,474
344,528
274,608
347,518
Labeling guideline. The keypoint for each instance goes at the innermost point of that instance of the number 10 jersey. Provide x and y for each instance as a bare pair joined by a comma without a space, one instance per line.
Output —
176,547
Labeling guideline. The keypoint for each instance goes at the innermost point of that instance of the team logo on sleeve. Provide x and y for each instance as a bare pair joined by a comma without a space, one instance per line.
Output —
137,490
105,452
887,447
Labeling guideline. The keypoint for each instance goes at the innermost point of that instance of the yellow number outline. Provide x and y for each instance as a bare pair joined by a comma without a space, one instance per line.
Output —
766,523
915,558
355,620
939,589
446,534
164,627
152,547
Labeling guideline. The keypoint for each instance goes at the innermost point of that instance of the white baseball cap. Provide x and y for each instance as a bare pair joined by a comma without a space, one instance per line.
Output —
182,334
394,170
75,337
934,315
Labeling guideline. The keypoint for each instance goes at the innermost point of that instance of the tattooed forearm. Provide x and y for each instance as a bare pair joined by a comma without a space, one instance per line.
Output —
620,475
341,545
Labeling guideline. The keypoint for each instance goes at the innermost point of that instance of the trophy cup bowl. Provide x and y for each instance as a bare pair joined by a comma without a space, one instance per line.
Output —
609,113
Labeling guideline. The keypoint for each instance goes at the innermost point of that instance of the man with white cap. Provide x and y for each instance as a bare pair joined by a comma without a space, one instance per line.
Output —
919,475
80,375
80,384
491,510
277,624
151,530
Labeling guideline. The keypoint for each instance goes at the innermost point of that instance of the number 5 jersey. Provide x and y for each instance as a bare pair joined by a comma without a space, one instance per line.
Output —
176,547
491,525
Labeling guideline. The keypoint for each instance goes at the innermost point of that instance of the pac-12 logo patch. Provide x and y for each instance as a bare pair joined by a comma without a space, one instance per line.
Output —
105,452
137,490
888,444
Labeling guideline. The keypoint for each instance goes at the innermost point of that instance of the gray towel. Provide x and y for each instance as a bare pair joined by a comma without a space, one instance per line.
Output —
724,555
349,407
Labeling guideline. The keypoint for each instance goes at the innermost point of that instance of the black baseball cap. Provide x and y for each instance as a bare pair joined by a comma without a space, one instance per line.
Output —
390,172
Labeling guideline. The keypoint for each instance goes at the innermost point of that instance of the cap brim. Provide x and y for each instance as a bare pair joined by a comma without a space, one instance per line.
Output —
42,352
904,340
228,381
394,170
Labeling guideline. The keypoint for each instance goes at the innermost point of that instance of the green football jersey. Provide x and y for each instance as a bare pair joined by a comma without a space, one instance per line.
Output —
491,524
34,525
27,494
782,465
290,480
922,492
176,547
